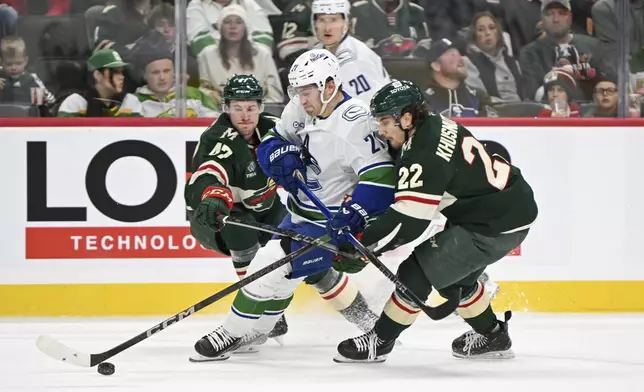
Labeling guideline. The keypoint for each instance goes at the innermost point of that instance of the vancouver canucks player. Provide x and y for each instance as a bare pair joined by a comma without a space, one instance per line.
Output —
361,68
489,207
227,179
324,134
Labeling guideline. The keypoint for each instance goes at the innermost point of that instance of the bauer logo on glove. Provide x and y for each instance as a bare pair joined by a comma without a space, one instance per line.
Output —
283,150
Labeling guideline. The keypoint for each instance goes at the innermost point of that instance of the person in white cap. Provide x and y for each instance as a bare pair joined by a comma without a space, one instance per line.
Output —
203,16
237,54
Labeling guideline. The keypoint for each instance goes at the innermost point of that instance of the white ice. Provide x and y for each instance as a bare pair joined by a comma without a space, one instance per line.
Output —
554,352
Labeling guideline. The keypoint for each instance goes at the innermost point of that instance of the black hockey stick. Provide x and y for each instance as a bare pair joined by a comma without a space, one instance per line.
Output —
230,220
435,313
61,352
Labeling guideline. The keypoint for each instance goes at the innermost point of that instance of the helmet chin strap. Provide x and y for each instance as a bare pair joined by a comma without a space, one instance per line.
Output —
325,103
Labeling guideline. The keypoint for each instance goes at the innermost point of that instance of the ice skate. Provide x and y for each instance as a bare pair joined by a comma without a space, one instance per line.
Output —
279,330
250,342
493,345
216,346
366,348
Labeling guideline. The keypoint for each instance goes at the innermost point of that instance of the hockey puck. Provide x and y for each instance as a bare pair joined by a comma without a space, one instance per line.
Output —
106,368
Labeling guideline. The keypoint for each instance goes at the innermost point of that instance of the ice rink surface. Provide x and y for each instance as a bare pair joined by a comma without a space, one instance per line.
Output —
554,352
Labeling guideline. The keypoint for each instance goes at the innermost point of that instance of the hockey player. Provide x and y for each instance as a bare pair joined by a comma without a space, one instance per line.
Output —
489,208
325,135
360,68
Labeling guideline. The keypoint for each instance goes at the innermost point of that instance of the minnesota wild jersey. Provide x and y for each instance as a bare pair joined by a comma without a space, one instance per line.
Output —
293,31
444,168
224,158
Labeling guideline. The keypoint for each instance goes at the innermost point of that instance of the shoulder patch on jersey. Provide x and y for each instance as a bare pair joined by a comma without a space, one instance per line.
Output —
344,56
354,112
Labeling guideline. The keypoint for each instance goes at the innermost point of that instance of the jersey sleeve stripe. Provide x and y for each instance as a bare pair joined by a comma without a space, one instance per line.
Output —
383,175
211,168
375,166
376,184
409,195
419,209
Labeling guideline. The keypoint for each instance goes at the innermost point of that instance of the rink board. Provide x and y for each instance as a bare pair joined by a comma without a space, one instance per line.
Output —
93,218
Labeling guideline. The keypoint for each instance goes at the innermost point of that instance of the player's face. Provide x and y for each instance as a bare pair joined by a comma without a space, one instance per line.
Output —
329,28
244,115
557,93
160,76
388,130
309,97
233,28
557,20
453,65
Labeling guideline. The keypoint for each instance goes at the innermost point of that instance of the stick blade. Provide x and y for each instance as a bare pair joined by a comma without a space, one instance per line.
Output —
59,351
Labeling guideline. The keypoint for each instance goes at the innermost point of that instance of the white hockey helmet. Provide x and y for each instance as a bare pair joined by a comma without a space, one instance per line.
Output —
330,7
314,67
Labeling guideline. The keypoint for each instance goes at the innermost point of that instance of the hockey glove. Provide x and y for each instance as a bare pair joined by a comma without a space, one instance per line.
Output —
350,218
346,264
279,159
215,201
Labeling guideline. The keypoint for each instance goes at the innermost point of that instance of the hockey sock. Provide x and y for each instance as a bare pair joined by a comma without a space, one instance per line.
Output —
398,315
338,291
244,313
242,258
476,310
274,310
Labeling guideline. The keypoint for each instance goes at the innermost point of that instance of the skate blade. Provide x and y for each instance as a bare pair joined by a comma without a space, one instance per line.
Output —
247,350
279,339
198,358
507,354
341,359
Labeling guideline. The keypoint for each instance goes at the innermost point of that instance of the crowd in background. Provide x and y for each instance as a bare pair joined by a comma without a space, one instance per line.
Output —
519,58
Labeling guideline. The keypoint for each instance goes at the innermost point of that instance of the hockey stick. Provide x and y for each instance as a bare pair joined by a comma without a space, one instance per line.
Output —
61,352
435,313
230,220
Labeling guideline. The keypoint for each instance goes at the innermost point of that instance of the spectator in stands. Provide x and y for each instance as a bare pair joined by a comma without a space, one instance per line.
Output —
605,98
106,98
157,96
561,89
605,24
17,85
559,48
447,93
120,25
161,19
204,15
8,20
489,66
236,54
392,28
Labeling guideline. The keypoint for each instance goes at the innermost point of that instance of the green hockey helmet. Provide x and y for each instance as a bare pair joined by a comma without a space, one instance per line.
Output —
395,97
243,87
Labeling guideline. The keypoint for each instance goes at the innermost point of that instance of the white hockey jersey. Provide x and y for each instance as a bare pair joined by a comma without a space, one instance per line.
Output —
361,69
340,151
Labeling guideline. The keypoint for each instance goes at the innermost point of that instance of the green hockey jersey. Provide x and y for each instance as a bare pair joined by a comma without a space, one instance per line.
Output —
444,168
223,158
293,31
